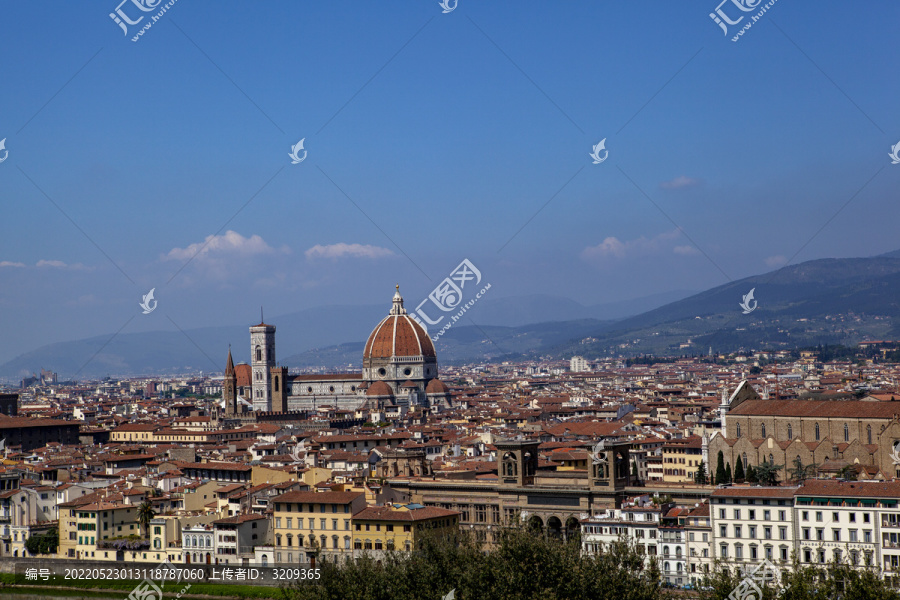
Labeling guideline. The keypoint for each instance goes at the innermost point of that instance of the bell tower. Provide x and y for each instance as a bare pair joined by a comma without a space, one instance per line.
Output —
610,466
229,387
517,462
262,359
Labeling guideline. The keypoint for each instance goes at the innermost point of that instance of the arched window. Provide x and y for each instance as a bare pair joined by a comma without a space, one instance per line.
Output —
762,430
276,383
771,460
258,354
738,430
846,433
817,432
869,434
790,432
744,457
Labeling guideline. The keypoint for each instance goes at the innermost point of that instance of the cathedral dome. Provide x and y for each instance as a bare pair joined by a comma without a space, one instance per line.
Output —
379,388
436,386
398,335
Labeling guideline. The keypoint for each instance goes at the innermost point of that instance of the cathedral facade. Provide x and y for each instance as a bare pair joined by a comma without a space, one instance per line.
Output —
399,368
830,434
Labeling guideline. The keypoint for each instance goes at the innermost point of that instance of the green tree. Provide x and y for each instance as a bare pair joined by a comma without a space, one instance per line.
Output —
522,566
145,514
767,473
44,543
701,477
800,472
634,469
720,469
728,478
750,477
805,583
739,470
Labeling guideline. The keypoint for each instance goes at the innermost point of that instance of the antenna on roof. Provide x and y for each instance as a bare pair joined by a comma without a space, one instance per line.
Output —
261,319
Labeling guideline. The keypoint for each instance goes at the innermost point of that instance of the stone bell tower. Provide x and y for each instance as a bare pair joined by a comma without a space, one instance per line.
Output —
517,462
262,359
610,466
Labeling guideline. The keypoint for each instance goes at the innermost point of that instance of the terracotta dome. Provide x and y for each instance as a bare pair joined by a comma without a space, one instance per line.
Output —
398,334
436,386
379,388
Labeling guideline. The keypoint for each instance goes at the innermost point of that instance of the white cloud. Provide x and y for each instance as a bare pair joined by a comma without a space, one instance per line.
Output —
342,250
685,250
51,263
613,247
680,182
775,261
230,243
6,263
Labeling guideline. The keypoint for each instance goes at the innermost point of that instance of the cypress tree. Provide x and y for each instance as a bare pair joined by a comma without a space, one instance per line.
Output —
720,468
739,470
751,474
701,477
728,473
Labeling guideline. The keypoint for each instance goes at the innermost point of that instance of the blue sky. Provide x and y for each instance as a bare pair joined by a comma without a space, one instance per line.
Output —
448,132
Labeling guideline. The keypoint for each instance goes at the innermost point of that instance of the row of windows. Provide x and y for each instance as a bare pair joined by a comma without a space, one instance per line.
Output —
837,554
835,516
191,541
312,508
790,433
836,535
752,532
768,551
323,542
764,501
751,514
323,523
638,533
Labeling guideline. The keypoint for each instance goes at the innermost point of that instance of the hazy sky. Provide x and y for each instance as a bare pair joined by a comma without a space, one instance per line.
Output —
431,138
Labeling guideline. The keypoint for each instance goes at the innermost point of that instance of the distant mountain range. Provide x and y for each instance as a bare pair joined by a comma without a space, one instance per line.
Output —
835,301
328,336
